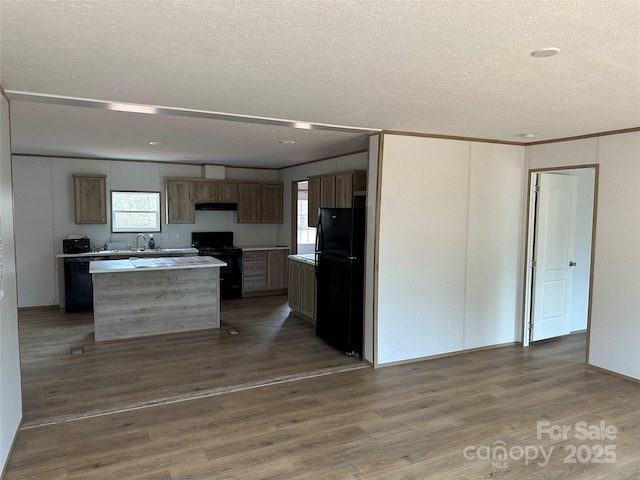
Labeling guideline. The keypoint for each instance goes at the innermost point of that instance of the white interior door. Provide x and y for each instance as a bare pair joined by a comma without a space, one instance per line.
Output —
553,255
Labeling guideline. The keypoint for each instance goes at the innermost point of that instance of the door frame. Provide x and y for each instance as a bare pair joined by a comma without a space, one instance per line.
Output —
528,251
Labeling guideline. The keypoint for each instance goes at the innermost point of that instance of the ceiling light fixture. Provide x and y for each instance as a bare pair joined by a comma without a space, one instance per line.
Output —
545,52
128,107
526,135
287,142
155,144
302,125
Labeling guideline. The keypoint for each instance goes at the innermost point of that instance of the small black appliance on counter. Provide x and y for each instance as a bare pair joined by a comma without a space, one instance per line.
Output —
76,245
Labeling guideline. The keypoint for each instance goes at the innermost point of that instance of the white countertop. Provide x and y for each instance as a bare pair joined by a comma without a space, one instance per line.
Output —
134,253
250,248
309,258
161,263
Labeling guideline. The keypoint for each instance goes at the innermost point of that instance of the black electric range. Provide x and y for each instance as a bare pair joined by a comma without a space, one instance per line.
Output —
220,246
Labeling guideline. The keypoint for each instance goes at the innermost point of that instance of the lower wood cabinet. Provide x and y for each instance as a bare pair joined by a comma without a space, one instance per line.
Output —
302,289
264,272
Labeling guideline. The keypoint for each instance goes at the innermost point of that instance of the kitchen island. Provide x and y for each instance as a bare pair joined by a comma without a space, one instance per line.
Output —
149,296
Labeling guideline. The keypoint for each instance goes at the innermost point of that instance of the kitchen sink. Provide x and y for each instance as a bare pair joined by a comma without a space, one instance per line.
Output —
147,250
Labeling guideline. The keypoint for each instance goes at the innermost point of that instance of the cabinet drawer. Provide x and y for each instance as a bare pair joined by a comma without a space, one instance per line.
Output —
254,284
257,255
254,268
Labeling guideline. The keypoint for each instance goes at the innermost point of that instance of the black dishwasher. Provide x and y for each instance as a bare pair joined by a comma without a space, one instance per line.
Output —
78,288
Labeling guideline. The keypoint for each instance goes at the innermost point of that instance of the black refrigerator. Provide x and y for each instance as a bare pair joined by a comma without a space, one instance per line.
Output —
340,278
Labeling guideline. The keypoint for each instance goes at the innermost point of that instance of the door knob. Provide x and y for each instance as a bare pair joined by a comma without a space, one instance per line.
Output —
572,264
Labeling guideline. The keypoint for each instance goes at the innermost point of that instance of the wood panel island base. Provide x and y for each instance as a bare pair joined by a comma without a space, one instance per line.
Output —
152,296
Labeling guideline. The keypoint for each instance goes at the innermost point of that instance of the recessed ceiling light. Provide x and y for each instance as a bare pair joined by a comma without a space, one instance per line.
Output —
287,142
157,143
545,52
188,158
526,135
127,107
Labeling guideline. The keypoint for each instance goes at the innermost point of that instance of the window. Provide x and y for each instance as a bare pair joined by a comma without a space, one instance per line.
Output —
135,211
306,234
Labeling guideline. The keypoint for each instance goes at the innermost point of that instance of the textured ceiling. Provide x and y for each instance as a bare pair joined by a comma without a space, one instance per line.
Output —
442,67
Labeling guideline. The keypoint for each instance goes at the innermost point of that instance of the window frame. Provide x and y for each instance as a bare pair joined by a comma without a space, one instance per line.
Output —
159,212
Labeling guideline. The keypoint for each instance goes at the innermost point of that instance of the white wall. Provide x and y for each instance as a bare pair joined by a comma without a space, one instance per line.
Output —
495,213
10,389
615,310
44,213
449,246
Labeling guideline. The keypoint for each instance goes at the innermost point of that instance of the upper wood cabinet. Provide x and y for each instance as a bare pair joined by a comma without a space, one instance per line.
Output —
334,190
249,203
257,202
313,203
90,192
180,201
328,191
213,191
272,203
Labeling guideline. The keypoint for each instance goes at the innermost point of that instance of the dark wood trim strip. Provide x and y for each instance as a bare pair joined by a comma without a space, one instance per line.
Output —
376,250
581,137
611,372
452,137
448,354
294,219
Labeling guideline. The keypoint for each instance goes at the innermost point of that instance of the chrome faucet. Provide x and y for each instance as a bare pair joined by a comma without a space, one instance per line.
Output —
143,239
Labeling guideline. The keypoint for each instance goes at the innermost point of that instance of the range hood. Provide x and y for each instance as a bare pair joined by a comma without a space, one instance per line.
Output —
216,206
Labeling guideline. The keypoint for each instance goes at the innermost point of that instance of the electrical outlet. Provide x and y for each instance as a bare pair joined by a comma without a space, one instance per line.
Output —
449,326
166,236
177,236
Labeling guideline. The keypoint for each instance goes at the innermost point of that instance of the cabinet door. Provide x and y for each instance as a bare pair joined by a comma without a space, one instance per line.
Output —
308,291
271,203
206,191
313,205
344,190
90,198
228,192
249,203
328,191
295,277
277,271
180,206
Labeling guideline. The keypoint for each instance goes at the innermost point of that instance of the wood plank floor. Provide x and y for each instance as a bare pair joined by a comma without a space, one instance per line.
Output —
120,374
411,421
